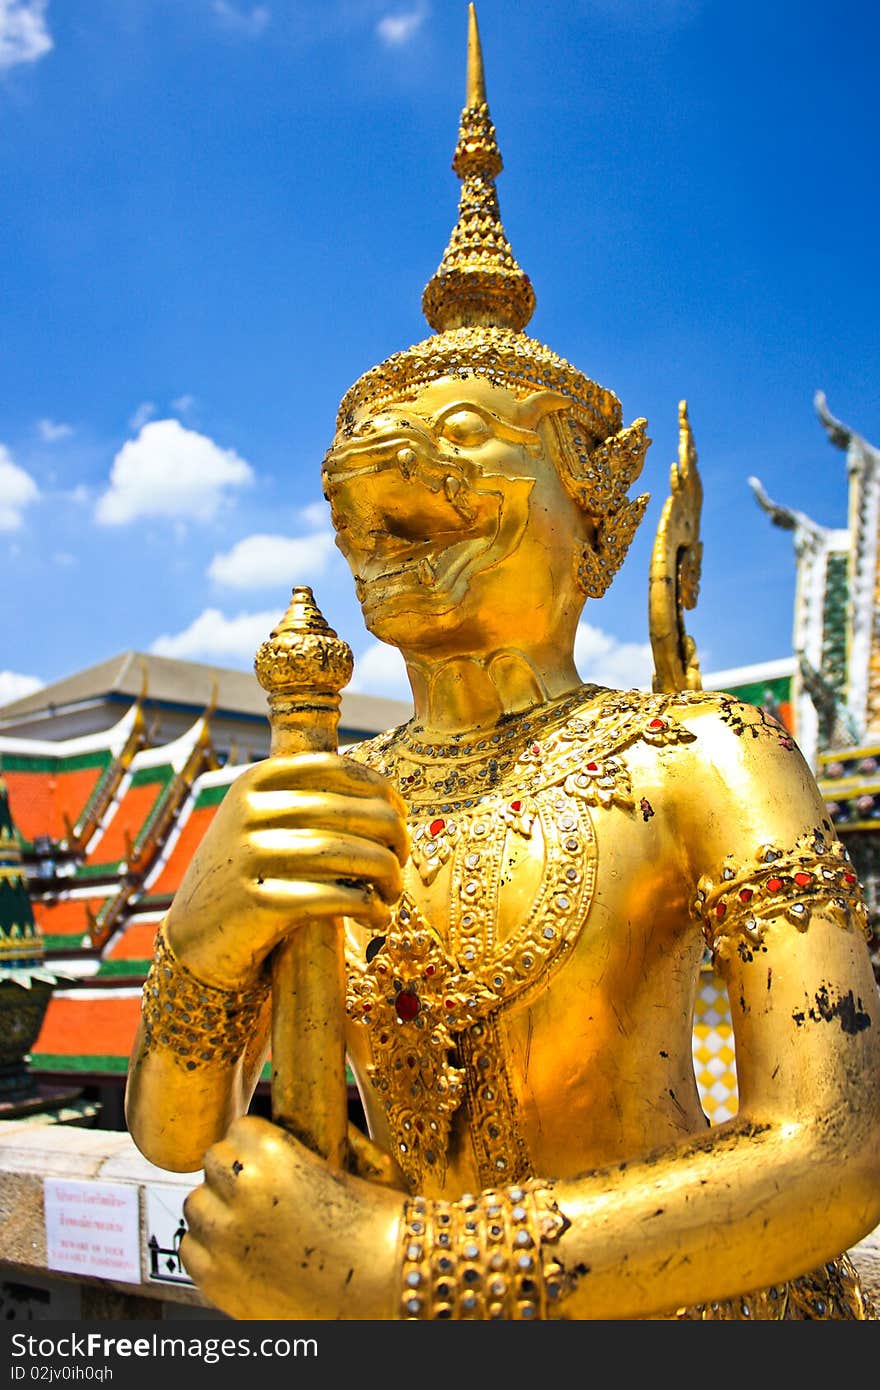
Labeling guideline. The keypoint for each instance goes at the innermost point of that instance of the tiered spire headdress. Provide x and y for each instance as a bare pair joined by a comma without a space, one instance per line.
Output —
478,302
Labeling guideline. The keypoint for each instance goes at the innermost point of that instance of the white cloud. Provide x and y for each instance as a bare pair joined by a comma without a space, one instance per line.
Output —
183,404
170,471
397,29
316,514
23,33
258,562
213,637
145,411
17,491
603,660
51,431
381,670
249,23
14,686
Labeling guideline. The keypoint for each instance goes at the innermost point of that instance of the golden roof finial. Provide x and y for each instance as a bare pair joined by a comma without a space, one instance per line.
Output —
478,282
476,81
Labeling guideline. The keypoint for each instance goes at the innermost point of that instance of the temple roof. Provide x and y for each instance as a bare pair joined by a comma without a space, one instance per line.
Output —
59,788
182,684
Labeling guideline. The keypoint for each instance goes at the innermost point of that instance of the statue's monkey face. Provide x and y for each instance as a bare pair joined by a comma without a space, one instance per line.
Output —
435,497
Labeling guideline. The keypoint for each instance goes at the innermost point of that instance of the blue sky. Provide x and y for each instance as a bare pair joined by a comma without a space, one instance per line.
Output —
216,214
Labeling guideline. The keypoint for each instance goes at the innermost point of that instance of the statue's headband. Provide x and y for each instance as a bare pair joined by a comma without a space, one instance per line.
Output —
500,355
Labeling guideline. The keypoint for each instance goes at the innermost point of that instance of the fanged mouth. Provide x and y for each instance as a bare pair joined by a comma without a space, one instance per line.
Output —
435,572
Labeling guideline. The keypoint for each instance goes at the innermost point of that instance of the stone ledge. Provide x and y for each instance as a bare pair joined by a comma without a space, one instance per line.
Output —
29,1153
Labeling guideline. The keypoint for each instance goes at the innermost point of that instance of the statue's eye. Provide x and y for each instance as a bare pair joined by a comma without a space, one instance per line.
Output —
465,427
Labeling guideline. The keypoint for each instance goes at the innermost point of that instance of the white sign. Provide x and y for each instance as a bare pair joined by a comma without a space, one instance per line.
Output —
92,1228
165,1228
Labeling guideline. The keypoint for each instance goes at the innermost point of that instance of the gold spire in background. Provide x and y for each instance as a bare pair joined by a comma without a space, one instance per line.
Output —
478,281
676,563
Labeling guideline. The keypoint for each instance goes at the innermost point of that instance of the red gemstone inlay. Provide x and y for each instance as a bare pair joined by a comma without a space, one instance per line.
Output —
536,748
592,767
849,878
774,884
430,969
656,724
436,826
745,895
720,909
450,1003
407,1005
803,878
516,805
367,1008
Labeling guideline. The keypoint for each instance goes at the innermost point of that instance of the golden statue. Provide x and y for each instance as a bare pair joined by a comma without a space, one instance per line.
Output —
499,910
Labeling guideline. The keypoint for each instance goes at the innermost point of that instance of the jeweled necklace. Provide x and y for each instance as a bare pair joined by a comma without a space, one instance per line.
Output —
422,997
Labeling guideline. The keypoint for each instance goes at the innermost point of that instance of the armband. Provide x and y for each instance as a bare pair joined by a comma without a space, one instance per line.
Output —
817,875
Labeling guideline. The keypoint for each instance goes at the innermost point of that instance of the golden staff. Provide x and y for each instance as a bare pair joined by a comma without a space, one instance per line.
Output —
303,666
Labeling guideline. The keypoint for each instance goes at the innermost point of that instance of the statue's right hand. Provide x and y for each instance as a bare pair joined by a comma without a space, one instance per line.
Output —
310,836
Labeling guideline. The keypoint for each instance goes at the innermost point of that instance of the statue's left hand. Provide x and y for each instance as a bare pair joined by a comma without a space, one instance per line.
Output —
274,1232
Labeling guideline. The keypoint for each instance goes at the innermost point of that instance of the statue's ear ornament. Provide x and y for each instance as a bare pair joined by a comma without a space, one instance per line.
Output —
597,561
598,479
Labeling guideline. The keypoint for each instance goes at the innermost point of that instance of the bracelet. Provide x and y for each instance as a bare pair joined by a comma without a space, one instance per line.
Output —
199,1023
483,1257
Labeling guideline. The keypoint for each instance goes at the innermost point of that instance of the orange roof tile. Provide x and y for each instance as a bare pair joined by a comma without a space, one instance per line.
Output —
90,1026
175,867
135,943
38,799
65,916
126,821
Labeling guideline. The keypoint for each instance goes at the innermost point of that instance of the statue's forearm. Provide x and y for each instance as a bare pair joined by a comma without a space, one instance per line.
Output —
748,1210
789,1183
196,1060
175,1116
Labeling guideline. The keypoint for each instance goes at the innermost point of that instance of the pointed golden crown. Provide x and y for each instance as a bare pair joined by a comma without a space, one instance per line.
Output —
479,299
478,282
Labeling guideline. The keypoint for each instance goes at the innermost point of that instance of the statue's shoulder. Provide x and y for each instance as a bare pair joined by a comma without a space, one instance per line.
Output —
614,721
703,710
596,704
716,766
599,703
